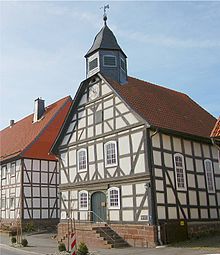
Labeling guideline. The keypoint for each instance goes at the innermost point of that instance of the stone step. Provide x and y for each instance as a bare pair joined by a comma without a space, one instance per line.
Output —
111,237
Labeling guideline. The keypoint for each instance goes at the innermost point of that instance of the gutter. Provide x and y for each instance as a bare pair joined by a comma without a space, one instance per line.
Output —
154,220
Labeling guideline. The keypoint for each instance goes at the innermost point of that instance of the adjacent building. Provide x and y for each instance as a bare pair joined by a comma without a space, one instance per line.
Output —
29,174
135,156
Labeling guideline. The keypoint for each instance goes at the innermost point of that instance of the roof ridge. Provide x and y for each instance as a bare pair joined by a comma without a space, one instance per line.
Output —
33,113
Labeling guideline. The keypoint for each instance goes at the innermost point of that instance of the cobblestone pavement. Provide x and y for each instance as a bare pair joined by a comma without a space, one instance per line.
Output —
44,244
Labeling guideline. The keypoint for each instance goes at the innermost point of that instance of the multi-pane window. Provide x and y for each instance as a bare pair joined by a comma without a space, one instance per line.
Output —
12,168
114,198
109,61
4,171
93,64
82,160
209,175
180,172
111,154
83,200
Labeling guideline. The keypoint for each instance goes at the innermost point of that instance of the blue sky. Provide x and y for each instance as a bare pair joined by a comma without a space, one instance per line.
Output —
173,44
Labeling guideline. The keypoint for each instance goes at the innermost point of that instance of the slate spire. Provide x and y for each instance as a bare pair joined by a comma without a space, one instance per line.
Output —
106,56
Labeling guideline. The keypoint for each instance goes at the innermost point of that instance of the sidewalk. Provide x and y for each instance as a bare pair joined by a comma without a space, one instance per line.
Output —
45,245
38,243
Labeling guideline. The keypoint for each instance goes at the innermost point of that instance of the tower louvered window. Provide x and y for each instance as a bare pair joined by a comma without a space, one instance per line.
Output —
109,61
93,64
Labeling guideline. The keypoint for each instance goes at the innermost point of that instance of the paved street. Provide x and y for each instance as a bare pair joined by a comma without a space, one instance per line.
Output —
43,244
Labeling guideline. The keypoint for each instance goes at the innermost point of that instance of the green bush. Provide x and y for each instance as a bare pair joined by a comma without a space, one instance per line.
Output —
13,239
82,249
24,242
29,227
62,247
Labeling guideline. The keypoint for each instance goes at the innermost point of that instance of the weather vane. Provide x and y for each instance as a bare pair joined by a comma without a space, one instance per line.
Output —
105,14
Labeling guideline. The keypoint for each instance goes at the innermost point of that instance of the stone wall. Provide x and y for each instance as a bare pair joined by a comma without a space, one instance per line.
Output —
30,225
196,229
84,233
137,235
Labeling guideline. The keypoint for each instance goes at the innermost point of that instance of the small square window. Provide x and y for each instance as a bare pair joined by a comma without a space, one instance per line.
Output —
98,117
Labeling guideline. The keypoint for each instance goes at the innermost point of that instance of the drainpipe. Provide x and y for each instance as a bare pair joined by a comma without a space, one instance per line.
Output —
154,220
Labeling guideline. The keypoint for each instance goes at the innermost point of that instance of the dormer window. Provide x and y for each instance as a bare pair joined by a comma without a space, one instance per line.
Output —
93,64
122,64
109,61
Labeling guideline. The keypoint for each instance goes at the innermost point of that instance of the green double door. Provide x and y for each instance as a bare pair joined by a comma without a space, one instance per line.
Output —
98,206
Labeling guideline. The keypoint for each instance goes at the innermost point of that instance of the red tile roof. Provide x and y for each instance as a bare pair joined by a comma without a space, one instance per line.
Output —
165,108
216,129
34,140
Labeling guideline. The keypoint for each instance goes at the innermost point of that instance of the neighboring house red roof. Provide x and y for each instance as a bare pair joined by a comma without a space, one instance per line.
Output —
165,108
34,140
216,130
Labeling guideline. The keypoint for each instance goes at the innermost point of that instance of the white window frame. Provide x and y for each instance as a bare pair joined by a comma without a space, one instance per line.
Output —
183,172
87,200
90,70
109,56
209,177
4,171
121,59
109,198
78,162
116,154
13,163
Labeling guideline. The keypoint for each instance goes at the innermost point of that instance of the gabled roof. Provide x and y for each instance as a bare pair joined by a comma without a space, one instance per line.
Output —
165,108
106,40
34,140
160,107
216,130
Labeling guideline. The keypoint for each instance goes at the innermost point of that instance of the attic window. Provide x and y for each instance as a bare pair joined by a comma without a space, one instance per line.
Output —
93,64
109,61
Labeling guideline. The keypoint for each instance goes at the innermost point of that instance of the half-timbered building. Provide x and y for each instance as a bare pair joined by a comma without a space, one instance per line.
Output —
29,175
135,156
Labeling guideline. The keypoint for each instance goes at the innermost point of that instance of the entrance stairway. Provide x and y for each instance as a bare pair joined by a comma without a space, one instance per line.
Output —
111,237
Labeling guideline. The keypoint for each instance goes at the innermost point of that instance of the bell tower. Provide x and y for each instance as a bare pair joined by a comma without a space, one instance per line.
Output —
106,56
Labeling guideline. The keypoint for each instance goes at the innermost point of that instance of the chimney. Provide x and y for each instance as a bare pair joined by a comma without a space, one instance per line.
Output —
12,122
39,109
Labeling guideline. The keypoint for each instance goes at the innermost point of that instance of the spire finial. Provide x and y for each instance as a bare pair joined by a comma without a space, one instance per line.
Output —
105,14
